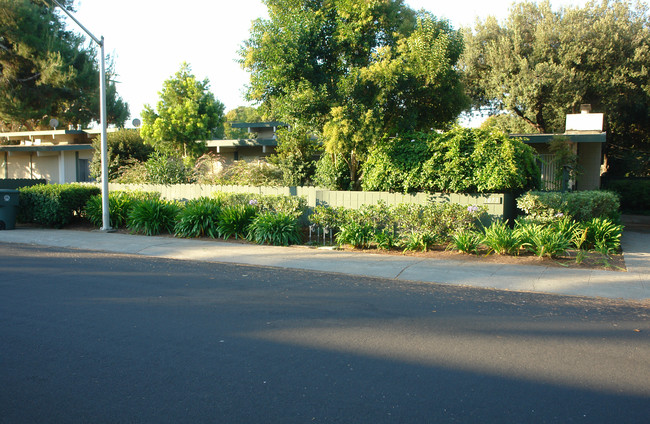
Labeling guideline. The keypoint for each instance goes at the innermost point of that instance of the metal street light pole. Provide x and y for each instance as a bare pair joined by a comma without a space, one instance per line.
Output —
106,221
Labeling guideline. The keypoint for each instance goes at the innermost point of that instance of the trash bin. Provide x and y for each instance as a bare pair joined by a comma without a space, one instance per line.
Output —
8,207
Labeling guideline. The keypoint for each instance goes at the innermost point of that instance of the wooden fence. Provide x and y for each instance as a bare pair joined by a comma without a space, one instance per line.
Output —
499,205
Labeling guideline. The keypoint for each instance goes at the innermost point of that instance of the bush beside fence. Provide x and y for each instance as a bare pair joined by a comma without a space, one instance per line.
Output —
498,205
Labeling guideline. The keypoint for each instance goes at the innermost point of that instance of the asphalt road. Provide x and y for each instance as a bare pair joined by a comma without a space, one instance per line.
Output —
92,337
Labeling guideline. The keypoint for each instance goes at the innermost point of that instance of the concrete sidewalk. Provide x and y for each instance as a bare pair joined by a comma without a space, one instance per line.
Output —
631,285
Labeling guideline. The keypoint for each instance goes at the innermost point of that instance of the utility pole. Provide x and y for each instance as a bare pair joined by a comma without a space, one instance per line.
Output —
106,221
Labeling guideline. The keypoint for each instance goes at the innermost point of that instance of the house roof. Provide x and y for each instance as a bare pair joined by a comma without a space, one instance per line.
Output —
269,124
47,148
249,142
583,137
30,134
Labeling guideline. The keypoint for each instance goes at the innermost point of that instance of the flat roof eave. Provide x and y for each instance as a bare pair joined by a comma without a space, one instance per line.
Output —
47,148
588,137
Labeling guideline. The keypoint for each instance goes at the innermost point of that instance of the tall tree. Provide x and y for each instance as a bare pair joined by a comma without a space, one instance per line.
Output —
48,72
188,115
352,71
541,64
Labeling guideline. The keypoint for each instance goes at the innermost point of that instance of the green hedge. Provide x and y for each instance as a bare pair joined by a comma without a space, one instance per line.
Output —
54,205
579,205
460,161
634,194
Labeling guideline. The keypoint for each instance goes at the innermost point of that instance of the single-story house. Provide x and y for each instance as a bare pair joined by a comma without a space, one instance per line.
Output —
58,156
261,143
585,133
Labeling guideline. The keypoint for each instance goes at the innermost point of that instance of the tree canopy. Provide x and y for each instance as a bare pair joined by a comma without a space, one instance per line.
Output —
541,64
353,71
187,115
48,72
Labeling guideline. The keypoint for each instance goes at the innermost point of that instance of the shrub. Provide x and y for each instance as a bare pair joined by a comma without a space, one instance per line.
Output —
466,241
419,240
385,239
460,160
120,204
545,241
278,229
501,239
256,174
153,216
332,172
164,169
580,205
600,234
356,234
418,226
327,217
634,194
54,205
124,147
234,220
292,205
199,217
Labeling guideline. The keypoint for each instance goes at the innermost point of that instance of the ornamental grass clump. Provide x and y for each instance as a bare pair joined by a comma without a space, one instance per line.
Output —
120,204
153,216
234,220
501,239
466,241
277,229
357,234
199,217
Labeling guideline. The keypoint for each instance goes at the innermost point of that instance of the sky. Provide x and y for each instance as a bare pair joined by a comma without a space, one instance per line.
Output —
150,40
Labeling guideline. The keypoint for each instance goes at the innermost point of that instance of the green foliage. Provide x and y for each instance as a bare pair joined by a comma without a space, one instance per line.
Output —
234,220
417,240
466,241
634,194
48,71
53,205
290,205
120,204
124,147
600,234
564,158
579,205
153,216
414,227
327,217
278,229
542,240
168,169
357,234
385,239
332,173
501,239
353,71
540,63
199,217
508,123
295,155
249,174
188,114
459,160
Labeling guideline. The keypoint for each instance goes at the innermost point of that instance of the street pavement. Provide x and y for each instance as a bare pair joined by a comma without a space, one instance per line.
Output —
634,284
98,337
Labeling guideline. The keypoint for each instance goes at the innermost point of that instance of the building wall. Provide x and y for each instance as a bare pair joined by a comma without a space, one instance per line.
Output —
55,167
589,160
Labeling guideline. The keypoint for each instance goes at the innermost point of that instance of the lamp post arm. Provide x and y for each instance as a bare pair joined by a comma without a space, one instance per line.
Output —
90,34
